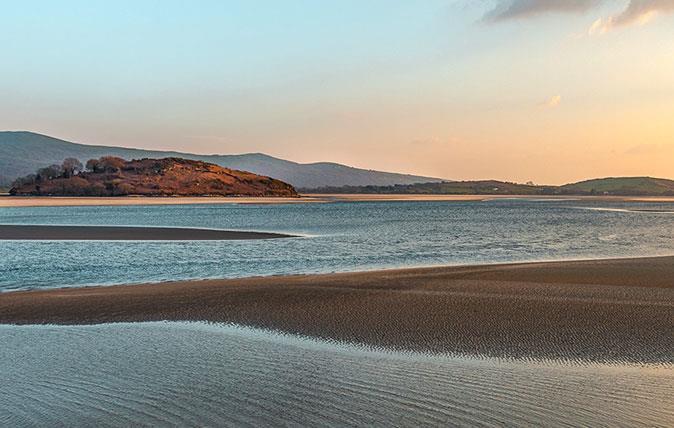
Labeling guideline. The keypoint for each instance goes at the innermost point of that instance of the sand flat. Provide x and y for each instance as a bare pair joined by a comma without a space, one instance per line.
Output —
64,201
348,197
651,199
355,197
123,233
601,310
58,201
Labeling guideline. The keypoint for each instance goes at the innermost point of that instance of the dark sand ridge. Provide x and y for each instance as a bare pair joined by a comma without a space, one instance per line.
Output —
601,310
110,233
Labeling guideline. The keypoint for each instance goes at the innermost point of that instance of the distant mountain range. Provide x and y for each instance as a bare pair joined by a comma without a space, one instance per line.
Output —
22,153
612,186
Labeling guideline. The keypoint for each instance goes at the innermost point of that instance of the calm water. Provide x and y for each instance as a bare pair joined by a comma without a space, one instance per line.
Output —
336,237
198,374
195,374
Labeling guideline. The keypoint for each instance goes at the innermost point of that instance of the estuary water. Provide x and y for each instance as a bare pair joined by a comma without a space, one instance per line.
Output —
334,237
197,374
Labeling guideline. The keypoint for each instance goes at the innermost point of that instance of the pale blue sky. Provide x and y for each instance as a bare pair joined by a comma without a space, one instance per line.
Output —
459,89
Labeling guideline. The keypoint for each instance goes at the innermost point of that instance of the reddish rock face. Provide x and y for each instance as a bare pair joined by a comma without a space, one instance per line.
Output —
157,177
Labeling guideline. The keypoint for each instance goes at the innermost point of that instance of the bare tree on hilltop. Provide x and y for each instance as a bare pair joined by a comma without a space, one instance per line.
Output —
71,167
105,164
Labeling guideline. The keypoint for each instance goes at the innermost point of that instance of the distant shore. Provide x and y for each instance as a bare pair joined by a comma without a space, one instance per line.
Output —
600,310
7,201
72,201
116,233
353,197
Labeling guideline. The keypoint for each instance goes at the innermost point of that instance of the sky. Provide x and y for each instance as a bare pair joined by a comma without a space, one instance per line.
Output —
549,91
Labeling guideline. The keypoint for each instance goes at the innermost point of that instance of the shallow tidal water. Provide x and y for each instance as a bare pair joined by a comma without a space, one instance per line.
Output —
344,236
198,374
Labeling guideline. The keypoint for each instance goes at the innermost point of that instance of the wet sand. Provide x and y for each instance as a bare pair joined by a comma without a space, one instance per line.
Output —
461,198
120,233
57,201
66,201
355,197
599,310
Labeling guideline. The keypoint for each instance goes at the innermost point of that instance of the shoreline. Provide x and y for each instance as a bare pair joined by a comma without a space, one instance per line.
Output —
7,201
382,269
619,310
393,197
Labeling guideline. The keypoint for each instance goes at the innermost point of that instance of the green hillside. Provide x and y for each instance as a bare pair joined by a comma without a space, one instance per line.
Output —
628,186
622,186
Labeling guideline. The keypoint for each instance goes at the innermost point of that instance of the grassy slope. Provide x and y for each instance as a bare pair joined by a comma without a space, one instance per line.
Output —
622,186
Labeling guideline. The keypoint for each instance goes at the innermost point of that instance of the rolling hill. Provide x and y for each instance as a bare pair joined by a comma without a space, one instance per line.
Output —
624,186
23,152
111,176
481,187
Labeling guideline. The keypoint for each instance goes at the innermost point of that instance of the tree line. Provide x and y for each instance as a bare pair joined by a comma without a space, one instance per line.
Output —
71,167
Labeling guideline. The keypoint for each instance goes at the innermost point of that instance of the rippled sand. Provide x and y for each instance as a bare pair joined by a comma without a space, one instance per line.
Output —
598,310
194,374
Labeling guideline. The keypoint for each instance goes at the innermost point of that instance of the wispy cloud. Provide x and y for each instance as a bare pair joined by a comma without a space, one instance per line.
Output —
552,102
638,12
517,9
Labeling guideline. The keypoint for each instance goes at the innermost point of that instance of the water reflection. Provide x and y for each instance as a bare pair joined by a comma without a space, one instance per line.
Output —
203,374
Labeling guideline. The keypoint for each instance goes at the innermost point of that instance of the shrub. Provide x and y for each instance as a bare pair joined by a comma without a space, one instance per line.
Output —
108,164
111,163
49,172
71,167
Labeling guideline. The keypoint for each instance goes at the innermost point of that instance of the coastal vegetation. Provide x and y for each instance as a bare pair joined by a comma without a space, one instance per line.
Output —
623,186
113,176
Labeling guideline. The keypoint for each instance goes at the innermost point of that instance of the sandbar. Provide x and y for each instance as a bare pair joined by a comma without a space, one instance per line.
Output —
126,233
616,310
73,201
62,201
364,197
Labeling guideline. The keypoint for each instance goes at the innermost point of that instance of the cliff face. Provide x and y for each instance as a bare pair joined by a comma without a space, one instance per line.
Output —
153,177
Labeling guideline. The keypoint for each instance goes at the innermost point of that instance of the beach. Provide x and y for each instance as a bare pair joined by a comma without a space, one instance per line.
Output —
60,201
613,310
364,197
123,233
66,201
